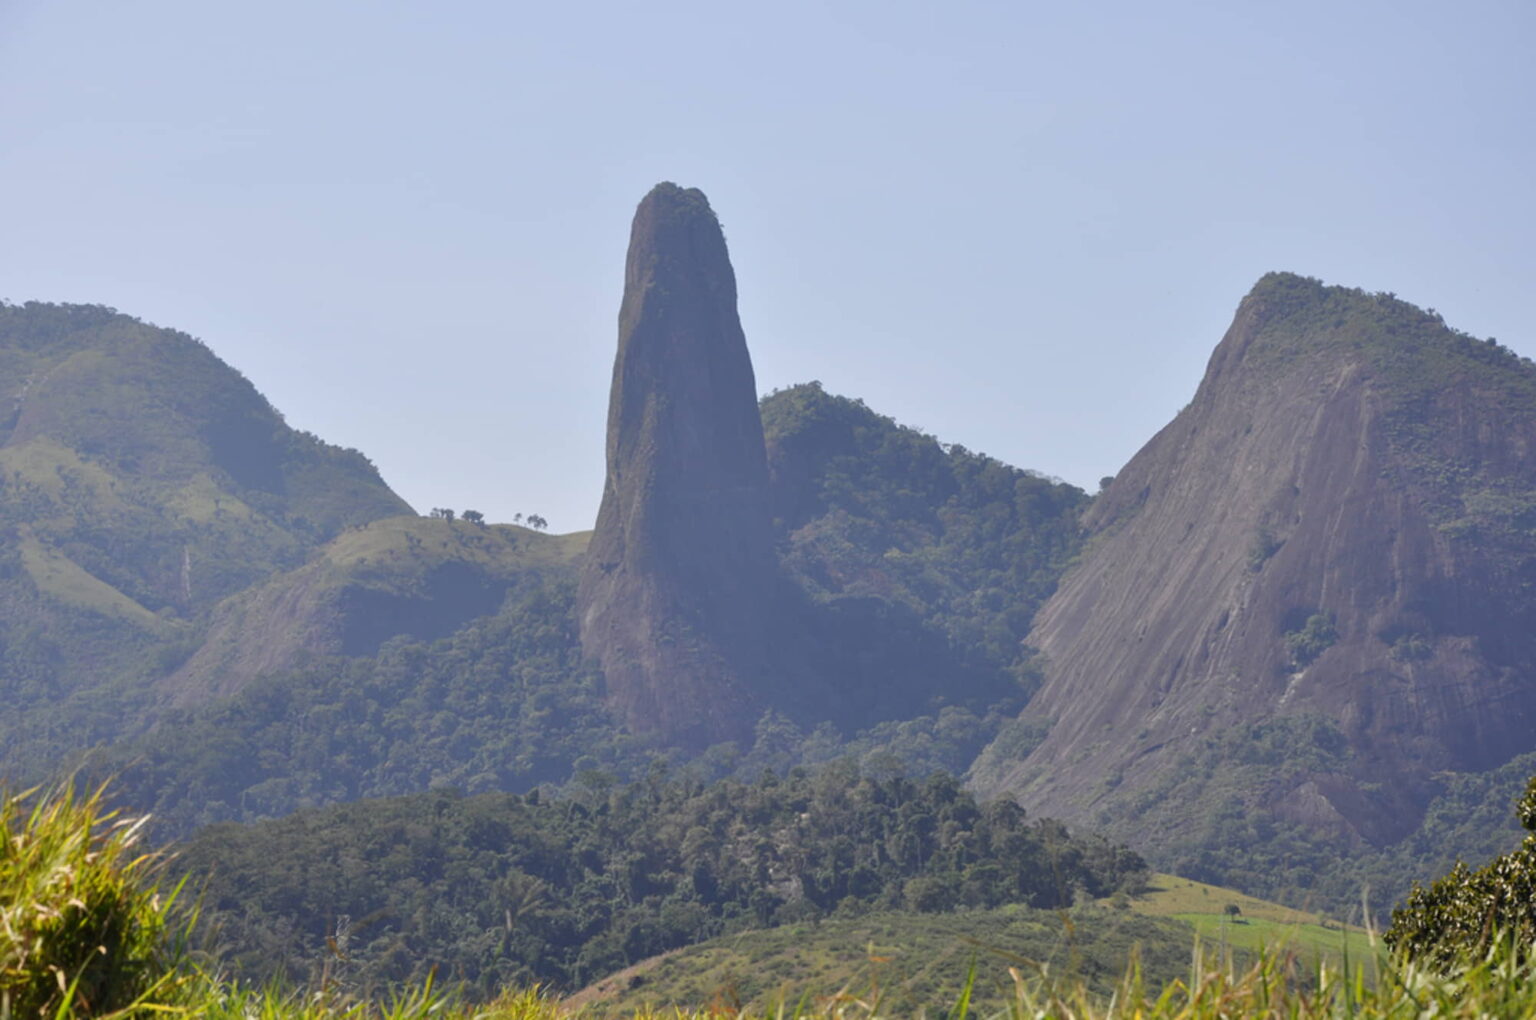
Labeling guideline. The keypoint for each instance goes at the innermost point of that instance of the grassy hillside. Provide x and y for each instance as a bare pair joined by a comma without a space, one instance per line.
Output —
1254,924
917,962
913,963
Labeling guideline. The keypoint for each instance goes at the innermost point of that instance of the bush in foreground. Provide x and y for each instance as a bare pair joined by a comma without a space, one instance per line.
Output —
1468,913
83,929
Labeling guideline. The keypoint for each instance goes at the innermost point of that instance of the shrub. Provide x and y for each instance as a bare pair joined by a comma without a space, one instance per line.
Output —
1464,914
84,932
1315,637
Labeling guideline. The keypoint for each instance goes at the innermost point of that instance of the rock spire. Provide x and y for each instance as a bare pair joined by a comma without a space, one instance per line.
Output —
680,574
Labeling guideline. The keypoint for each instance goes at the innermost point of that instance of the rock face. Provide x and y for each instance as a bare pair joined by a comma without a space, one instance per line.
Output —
680,577
1334,543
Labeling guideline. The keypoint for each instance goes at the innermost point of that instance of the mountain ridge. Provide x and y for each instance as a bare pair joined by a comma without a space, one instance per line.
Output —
1289,547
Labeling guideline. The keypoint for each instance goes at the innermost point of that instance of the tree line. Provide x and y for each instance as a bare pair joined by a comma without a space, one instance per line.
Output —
504,888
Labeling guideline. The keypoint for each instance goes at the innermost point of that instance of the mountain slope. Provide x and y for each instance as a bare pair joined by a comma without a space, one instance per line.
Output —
910,576
1307,596
142,480
415,577
945,552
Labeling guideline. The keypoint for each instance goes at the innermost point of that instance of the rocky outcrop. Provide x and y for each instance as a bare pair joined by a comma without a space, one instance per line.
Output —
1335,533
679,581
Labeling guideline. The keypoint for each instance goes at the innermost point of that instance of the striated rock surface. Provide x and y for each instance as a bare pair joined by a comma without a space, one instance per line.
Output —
679,580
1307,595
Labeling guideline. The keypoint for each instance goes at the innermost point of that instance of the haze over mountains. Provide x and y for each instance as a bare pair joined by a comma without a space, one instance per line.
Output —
1298,622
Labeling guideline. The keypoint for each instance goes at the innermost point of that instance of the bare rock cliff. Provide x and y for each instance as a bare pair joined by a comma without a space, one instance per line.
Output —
680,574
1339,533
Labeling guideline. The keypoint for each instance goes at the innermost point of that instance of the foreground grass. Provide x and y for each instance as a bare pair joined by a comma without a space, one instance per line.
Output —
1271,987
85,932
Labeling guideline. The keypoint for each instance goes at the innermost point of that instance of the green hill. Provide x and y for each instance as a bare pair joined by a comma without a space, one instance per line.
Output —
918,962
890,530
1225,917
911,963
142,480
414,577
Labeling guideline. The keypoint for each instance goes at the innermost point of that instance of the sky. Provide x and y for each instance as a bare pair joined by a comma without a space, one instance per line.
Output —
1019,226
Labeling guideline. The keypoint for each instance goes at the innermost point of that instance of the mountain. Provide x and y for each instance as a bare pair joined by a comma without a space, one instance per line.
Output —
142,481
808,558
770,584
677,590
910,572
1304,604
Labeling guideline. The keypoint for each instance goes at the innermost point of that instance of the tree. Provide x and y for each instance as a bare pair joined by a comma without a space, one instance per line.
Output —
442,514
474,517
1465,913
536,522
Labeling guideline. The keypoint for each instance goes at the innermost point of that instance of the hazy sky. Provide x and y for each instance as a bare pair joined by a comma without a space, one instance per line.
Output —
1020,226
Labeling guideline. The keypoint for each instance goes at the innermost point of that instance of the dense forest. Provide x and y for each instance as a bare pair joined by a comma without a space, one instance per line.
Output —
871,510
503,889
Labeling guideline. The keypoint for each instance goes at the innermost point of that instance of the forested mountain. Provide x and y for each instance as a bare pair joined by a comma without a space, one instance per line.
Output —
888,528
877,606
958,550
142,480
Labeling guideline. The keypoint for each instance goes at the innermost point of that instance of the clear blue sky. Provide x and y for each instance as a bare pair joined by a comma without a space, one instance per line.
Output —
1019,226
